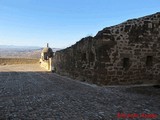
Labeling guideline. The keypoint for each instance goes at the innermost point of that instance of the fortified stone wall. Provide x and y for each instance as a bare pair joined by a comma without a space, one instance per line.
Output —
128,53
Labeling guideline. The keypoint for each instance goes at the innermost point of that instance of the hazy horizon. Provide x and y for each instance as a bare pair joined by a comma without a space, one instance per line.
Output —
26,46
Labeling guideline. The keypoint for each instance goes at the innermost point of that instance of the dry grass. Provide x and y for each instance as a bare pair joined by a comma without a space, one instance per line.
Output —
11,61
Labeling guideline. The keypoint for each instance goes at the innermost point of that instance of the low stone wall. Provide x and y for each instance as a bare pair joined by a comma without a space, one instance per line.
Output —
128,53
10,61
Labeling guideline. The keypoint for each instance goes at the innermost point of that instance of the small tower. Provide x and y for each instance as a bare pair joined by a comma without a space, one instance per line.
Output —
46,58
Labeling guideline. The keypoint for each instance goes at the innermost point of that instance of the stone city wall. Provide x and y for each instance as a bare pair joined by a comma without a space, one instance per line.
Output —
128,53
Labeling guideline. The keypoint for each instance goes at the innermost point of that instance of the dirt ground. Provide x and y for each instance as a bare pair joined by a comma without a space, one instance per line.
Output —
11,61
28,92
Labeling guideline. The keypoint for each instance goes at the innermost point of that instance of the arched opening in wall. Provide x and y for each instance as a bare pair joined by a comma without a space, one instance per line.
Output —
149,61
125,62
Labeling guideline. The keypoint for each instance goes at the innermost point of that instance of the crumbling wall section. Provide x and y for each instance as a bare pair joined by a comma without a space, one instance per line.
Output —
128,53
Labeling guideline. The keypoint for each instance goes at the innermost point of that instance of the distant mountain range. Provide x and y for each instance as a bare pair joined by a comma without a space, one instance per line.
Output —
11,51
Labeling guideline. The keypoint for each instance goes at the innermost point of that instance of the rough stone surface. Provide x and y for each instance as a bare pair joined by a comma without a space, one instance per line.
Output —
29,93
128,53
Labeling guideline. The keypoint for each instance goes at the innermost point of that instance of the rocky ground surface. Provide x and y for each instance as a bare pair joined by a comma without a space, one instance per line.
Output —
28,92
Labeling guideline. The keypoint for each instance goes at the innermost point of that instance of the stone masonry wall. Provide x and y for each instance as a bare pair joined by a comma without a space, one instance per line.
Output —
128,53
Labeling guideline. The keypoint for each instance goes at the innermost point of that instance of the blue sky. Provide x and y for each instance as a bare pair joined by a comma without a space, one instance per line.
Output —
63,22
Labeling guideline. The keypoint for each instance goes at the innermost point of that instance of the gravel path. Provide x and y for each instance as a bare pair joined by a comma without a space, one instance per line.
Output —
29,93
